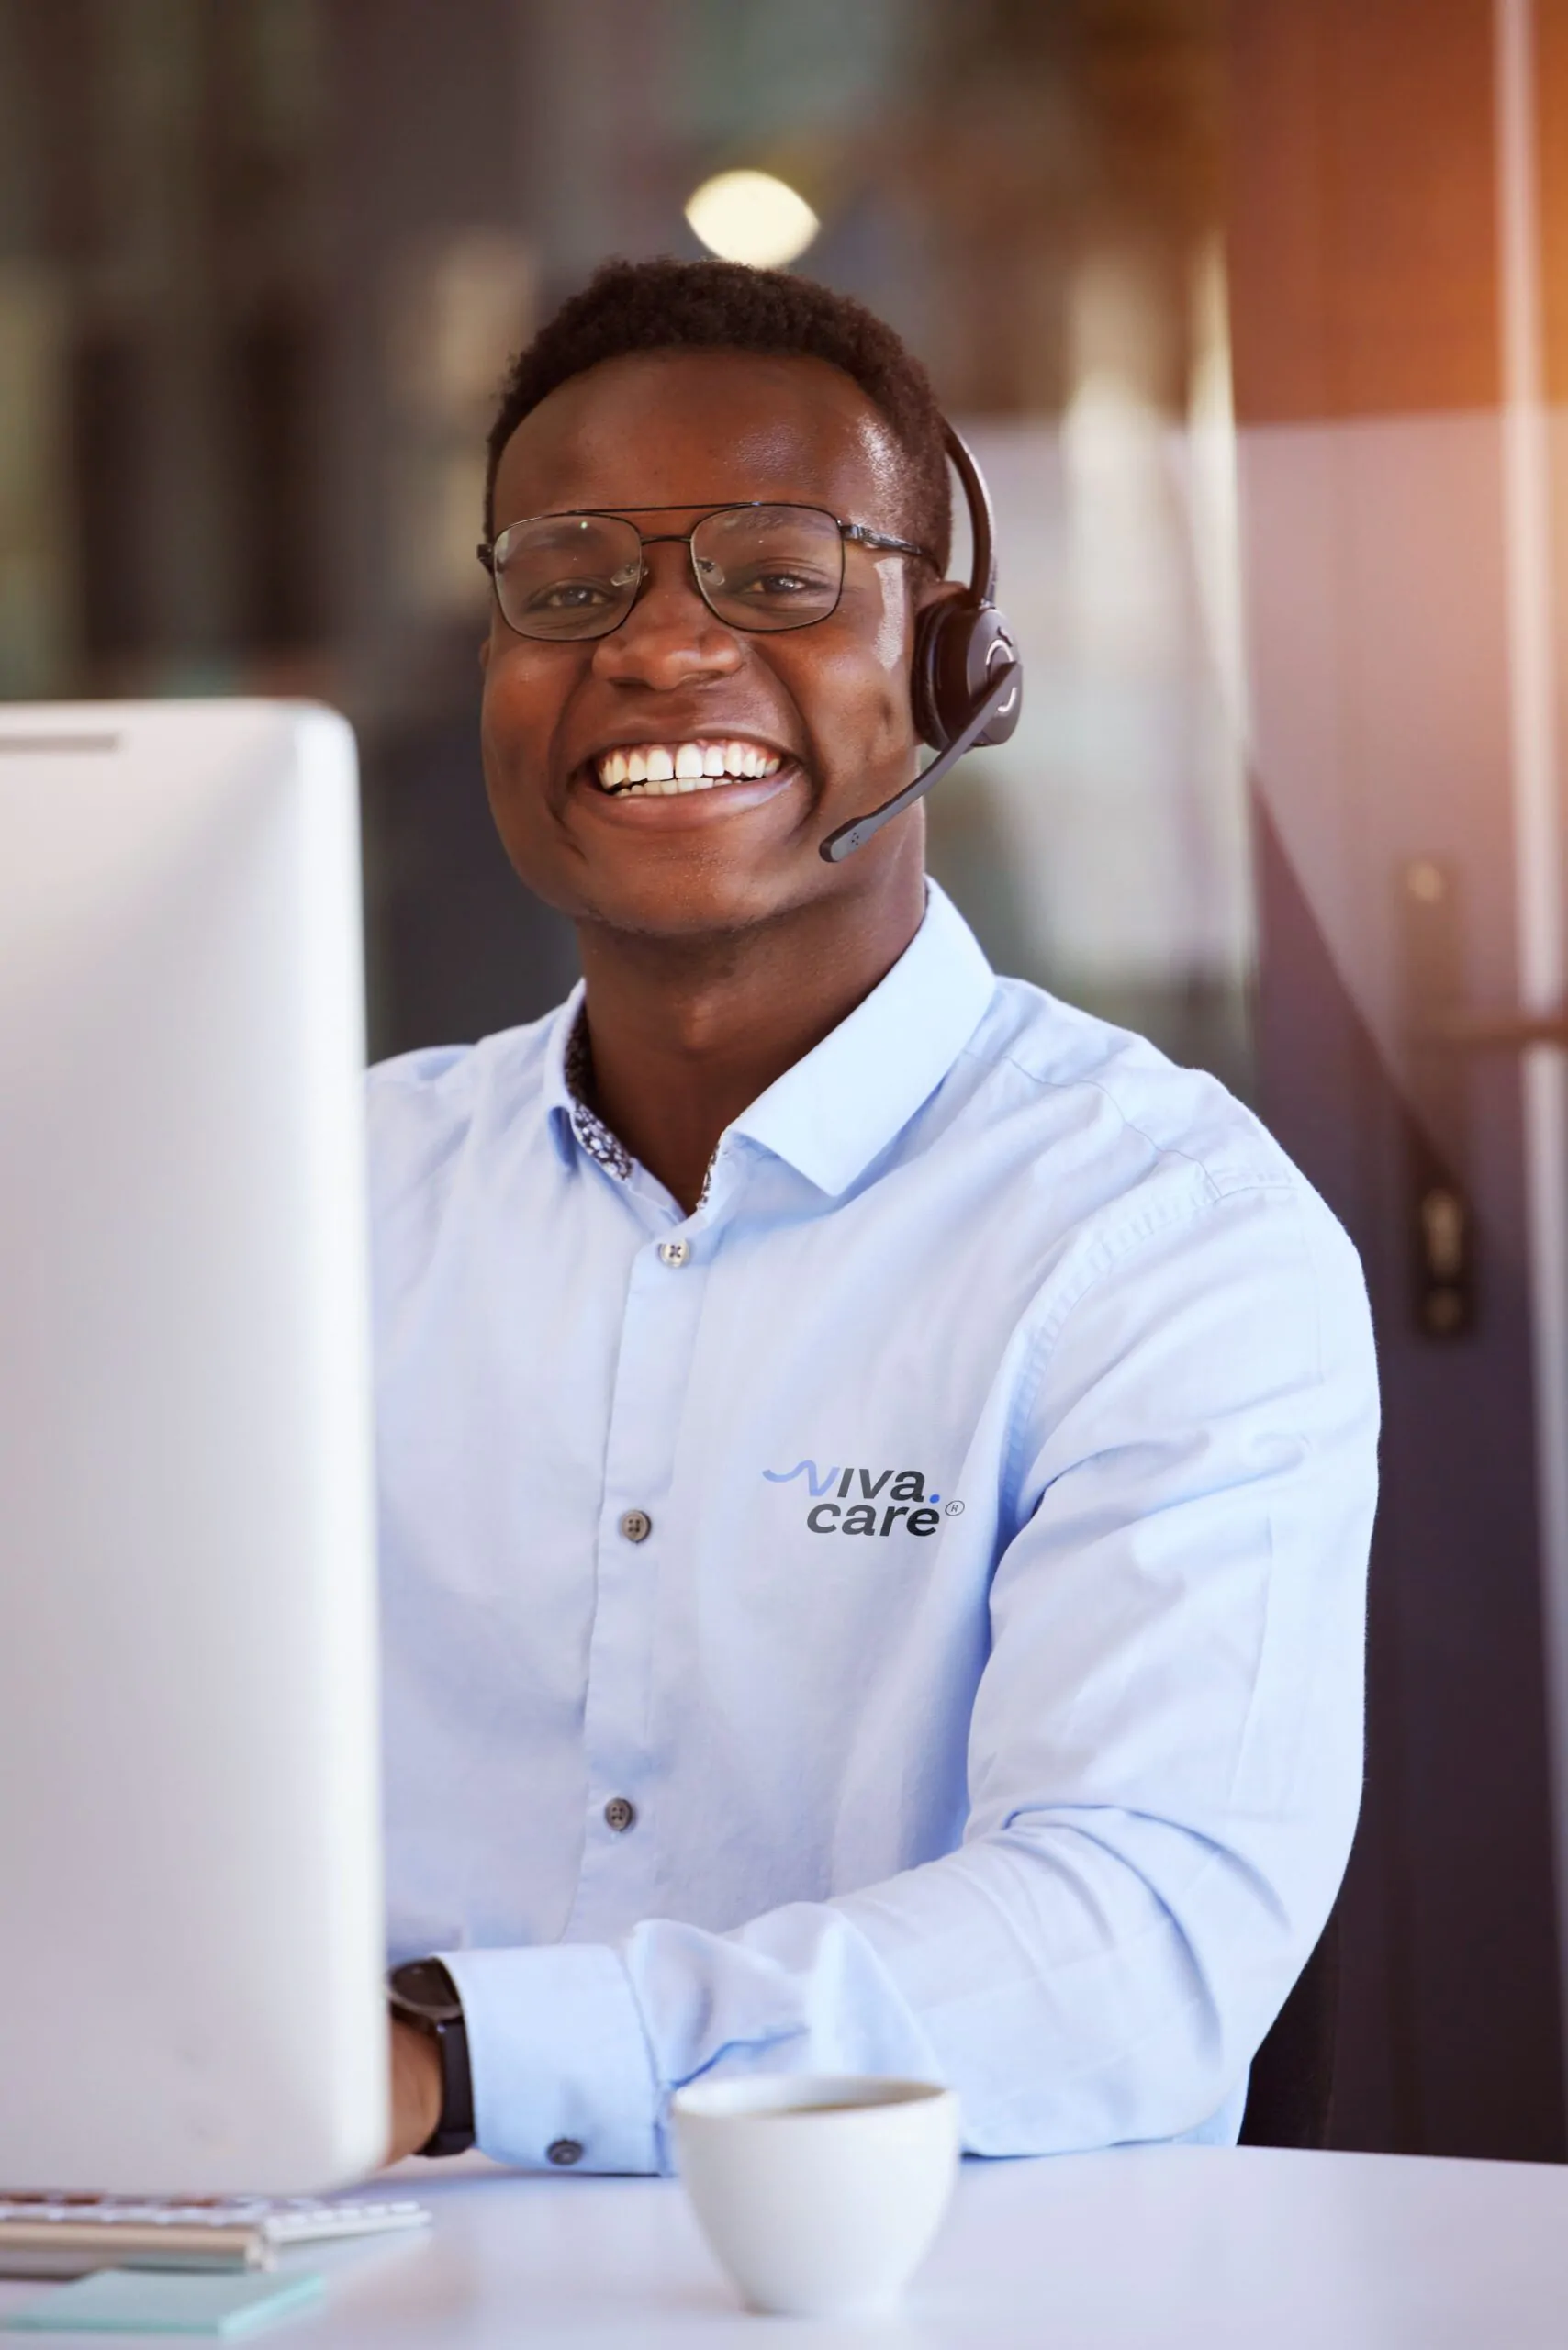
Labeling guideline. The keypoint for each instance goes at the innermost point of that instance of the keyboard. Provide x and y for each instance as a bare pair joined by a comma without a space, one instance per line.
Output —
45,2235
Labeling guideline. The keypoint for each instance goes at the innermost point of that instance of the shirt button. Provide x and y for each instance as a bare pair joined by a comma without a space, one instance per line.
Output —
674,1252
636,1525
564,2153
619,1813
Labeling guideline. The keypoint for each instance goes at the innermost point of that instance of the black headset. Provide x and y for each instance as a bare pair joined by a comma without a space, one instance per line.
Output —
967,687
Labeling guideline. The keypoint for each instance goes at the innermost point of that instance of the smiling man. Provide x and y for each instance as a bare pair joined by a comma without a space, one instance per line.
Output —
877,1465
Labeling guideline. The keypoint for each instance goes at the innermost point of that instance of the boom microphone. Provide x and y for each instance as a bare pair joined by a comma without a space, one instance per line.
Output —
1007,689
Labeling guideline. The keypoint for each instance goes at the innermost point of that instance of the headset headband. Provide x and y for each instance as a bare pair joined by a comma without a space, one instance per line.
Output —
982,532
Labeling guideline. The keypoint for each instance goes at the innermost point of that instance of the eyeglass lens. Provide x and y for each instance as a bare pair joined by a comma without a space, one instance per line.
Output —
565,576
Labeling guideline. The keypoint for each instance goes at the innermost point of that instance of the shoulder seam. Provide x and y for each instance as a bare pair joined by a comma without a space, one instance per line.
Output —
1255,1179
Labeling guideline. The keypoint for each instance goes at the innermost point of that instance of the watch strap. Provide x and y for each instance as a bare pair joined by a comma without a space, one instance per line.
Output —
422,1994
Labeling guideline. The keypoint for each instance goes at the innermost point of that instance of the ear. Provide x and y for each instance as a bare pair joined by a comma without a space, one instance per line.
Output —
484,654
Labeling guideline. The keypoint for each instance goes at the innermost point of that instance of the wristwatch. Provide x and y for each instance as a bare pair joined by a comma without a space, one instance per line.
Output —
422,1994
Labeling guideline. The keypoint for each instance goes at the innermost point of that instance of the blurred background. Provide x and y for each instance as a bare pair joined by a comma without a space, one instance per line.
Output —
1254,312
264,261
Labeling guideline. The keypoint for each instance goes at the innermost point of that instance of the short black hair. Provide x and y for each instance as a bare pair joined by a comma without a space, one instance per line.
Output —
721,305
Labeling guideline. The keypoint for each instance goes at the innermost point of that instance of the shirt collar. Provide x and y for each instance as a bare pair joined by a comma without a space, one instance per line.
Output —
832,1113
570,1119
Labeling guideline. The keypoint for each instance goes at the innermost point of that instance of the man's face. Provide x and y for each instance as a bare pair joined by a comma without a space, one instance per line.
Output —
828,706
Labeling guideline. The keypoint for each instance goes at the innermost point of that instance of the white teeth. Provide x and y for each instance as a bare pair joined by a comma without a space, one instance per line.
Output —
659,770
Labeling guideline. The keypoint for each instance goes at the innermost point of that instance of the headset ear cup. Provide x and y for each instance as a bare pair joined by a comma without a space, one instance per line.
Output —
923,685
949,667
958,645
991,648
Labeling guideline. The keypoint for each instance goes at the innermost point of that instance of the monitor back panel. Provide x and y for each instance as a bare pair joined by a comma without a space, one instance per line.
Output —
190,1905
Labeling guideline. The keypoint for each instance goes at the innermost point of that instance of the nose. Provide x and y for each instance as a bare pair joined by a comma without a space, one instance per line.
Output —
669,638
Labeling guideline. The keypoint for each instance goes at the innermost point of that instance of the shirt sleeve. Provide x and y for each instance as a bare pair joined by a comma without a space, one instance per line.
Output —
1164,1766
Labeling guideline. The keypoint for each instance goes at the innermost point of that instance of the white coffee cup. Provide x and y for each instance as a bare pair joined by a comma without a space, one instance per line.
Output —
820,2193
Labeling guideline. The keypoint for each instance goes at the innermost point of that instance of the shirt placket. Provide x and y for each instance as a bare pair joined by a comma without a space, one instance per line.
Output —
658,1342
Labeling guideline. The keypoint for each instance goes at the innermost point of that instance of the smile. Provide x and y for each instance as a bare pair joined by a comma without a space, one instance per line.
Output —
655,770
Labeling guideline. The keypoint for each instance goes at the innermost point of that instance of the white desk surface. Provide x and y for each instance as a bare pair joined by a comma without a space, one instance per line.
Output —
1169,2246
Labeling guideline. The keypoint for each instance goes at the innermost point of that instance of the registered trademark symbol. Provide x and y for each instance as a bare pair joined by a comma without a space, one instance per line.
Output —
953,1509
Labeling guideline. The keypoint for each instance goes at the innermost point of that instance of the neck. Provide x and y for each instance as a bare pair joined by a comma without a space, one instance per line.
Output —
687,1033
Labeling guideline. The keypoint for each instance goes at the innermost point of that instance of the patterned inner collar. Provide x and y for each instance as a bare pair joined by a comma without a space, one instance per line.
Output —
595,1136
586,1125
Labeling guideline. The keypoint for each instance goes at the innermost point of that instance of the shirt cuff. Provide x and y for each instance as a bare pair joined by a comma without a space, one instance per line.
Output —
562,2073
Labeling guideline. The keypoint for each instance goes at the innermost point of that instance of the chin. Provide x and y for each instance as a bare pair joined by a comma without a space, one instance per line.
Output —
701,902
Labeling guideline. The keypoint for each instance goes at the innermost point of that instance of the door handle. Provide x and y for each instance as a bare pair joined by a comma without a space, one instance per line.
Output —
1439,1214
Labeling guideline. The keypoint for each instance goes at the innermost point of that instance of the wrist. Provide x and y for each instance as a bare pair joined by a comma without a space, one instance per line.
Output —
415,2090
432,2085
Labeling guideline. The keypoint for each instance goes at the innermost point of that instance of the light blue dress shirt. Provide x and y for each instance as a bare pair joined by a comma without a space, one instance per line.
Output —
905,1616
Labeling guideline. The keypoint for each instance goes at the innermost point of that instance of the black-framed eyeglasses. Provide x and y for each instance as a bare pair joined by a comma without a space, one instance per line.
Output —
561,577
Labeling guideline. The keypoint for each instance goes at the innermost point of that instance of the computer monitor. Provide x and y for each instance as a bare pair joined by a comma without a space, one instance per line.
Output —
191,1923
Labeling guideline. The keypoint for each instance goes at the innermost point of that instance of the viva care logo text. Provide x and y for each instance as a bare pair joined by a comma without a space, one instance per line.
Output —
865,1501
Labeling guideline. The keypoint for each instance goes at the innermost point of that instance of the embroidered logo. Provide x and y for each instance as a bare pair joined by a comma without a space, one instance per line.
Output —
862,1503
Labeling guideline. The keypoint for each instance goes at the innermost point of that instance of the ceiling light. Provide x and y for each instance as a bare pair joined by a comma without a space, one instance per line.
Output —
751,217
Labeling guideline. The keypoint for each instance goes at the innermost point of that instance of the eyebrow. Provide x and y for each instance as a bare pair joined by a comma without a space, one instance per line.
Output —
568,533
